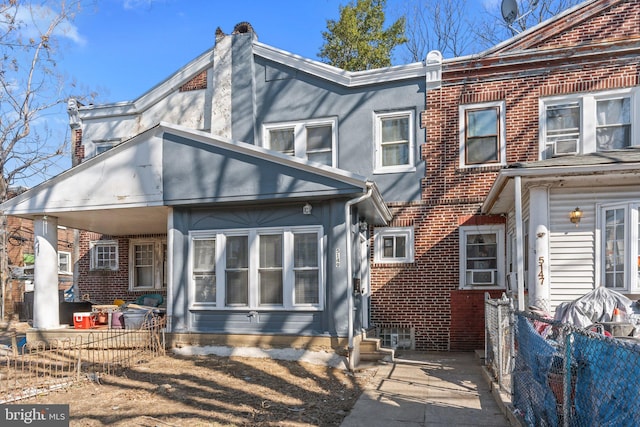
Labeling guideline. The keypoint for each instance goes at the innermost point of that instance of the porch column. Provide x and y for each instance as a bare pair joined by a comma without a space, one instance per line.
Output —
539,288
45,296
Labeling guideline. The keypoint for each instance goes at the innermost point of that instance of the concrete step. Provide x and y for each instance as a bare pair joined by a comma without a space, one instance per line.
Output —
370,351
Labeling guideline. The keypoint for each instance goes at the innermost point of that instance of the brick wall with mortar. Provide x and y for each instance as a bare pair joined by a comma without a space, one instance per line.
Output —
100,286
426,294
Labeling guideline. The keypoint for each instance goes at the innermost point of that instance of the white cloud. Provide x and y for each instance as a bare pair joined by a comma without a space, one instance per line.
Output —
135,4
35,20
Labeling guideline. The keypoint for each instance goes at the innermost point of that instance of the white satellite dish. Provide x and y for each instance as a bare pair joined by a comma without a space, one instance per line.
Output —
509,11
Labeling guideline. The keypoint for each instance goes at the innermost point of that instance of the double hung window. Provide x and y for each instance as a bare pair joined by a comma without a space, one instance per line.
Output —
394,138
482,134
266,268
482,255
147,264
314,140
589,123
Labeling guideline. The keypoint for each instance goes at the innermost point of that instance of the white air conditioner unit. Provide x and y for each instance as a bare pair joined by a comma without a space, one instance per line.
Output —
563,147
483,277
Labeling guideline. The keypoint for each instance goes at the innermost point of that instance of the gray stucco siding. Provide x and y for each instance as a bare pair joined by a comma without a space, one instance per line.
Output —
195,172
285,322
284,95
328,214
243,93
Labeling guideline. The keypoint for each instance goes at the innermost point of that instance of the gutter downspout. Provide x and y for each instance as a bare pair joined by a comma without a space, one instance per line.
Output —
519,242
347,221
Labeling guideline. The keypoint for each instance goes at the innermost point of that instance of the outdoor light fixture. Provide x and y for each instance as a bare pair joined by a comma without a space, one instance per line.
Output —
575,216
306,209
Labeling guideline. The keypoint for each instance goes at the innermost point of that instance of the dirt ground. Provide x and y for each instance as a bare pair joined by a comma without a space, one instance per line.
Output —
214,391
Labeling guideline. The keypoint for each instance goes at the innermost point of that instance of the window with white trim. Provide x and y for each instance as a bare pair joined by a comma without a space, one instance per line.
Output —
589,123
393,245
395,142
261,268
482,254
147,264
102,145
314,140
482,134
104,255
620,246
64,262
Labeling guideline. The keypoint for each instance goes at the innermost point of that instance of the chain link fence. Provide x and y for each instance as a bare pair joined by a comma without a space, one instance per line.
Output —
562,375
498,348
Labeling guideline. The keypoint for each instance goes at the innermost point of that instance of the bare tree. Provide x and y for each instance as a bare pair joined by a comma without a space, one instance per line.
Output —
32,92
31,87
493,29
443,25
459,27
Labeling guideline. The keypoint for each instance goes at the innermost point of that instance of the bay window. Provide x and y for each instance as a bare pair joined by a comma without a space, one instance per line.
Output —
262,268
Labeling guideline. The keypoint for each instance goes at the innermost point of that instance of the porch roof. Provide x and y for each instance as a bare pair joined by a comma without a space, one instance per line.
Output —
615,167
131,188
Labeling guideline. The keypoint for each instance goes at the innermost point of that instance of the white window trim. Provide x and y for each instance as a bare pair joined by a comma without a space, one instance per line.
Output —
378,238
93,259
632,215
158,270
499,230
288,279
68,255
377,136
502,134
587,102
300,137
107,144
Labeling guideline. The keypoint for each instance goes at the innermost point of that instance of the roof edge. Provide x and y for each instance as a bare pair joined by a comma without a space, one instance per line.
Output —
338,75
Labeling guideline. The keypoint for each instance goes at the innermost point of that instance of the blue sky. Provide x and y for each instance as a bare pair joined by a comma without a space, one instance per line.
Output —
122,48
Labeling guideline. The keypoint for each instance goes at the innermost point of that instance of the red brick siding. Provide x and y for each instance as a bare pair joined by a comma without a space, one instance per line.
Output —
103,287
425,294
619,23
78,148
196,83
467,319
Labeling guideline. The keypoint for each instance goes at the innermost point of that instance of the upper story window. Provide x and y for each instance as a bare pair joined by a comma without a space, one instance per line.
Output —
393,245
261,268
588,123
104,255
394,138
482,253
314,140
147,264
102,145
482,134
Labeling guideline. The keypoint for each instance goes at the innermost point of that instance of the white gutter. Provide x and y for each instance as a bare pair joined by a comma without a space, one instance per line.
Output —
519,243
348,227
